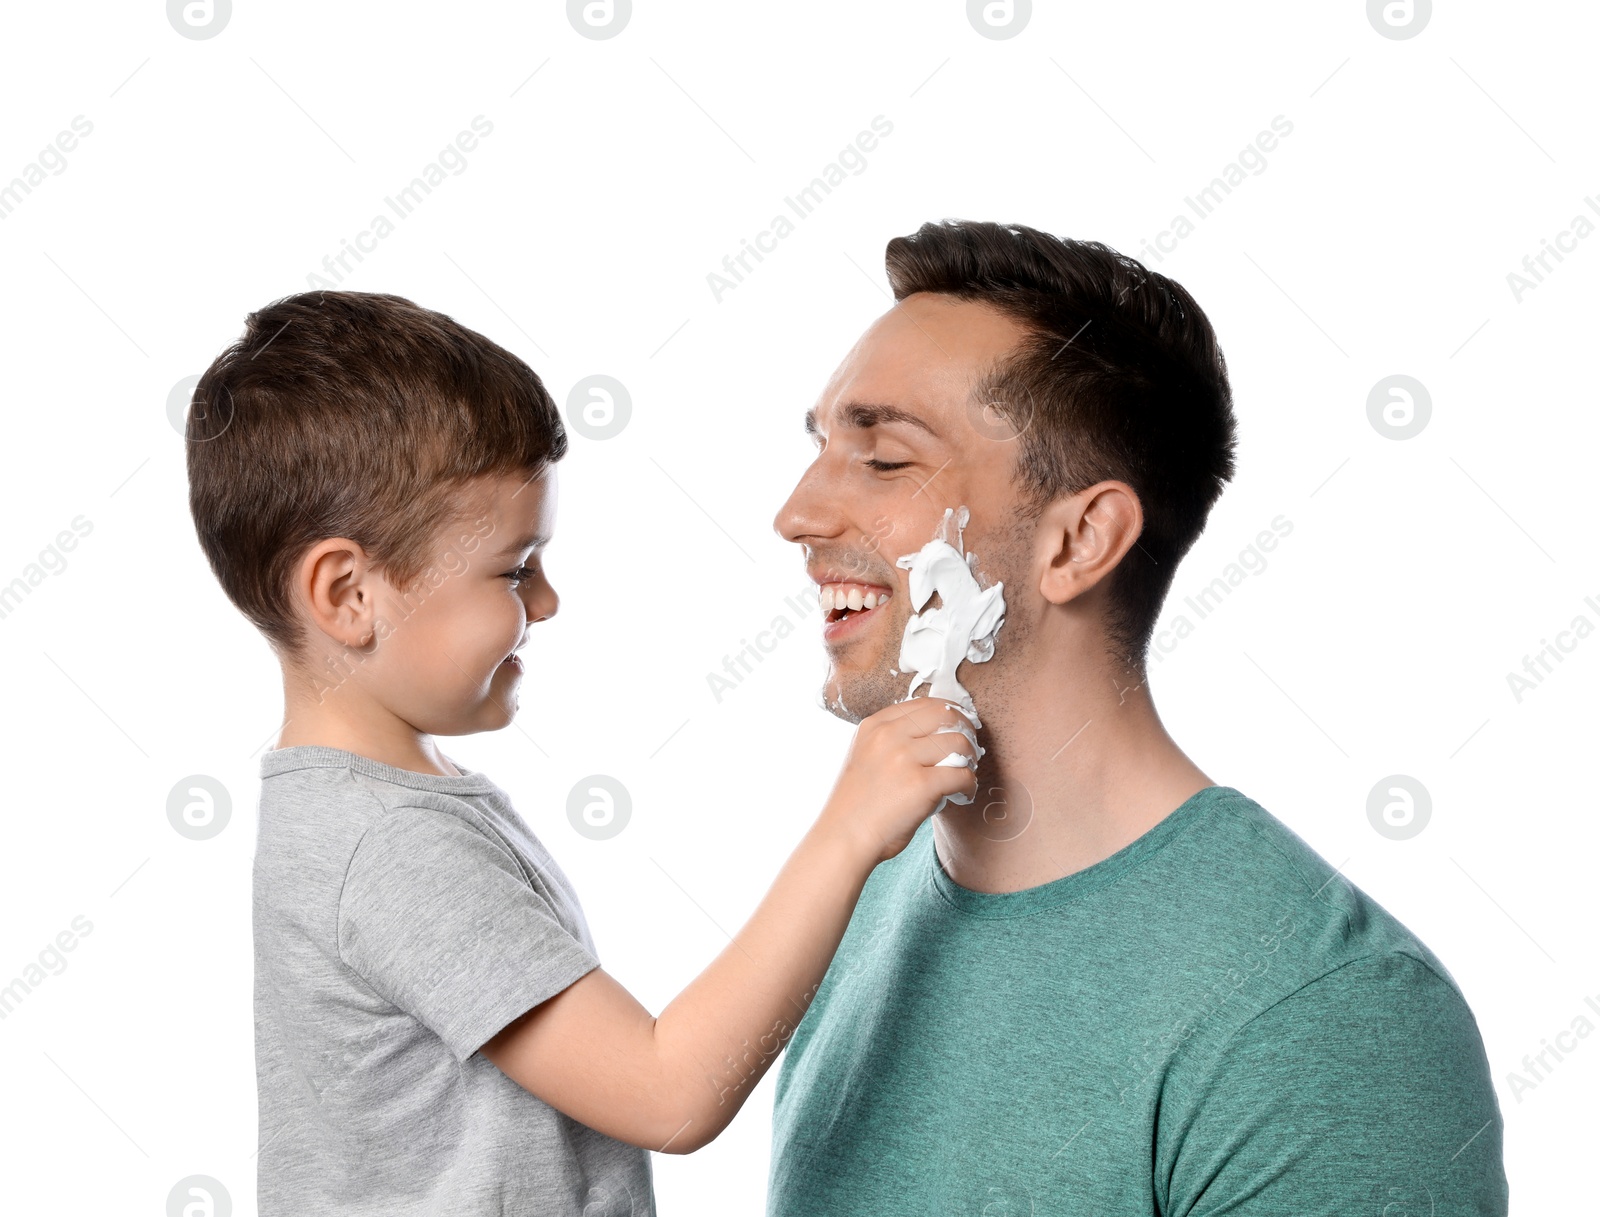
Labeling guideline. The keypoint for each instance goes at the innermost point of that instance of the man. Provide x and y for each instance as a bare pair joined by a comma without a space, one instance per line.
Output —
1109,985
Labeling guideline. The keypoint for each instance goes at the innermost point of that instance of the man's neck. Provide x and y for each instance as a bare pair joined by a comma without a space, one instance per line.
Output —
1063,785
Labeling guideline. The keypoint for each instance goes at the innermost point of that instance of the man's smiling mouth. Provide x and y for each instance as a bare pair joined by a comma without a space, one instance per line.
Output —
844,601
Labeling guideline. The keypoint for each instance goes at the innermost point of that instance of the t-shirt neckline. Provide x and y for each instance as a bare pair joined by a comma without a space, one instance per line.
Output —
1070,887
320,756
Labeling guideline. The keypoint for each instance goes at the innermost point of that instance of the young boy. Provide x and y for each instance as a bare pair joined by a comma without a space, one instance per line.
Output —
374,485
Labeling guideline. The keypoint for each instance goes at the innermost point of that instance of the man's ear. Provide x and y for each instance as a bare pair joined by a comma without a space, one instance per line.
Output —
1082,538
336,582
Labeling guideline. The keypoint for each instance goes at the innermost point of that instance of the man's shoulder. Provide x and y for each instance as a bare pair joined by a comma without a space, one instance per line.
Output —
1317,1079
1310,936
1257,850
1245,858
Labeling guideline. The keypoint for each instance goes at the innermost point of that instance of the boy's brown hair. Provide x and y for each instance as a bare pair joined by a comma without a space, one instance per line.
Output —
350,414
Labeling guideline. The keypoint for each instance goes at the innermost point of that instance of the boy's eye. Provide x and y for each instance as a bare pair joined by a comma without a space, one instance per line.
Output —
520,574
885,466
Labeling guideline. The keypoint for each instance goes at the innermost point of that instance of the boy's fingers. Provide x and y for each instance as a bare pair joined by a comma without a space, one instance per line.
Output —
920,711
962,728
928,715
960,786
937,750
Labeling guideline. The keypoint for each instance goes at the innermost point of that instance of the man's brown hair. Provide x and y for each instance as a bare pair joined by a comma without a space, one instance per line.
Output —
350,414
1120,377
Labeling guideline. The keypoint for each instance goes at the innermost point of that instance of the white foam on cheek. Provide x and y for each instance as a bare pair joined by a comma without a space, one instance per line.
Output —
964,626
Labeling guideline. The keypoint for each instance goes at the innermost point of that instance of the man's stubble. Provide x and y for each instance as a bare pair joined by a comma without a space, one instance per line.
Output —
860,691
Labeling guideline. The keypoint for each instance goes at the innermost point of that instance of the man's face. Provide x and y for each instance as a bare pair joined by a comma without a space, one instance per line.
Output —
901,437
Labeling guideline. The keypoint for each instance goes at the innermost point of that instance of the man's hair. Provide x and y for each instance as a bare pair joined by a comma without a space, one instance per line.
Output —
350,414
1120,377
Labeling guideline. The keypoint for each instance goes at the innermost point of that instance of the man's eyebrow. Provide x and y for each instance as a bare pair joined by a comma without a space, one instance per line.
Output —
872,414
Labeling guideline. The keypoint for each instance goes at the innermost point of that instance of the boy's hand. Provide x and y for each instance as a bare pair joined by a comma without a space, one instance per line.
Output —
892,779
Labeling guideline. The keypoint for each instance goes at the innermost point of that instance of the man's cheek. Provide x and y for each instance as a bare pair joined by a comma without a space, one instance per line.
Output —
882,529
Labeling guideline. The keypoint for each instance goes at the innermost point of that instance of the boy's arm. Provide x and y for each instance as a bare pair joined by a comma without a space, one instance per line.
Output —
673,1083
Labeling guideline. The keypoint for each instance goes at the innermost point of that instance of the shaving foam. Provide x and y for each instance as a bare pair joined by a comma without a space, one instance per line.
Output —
963,626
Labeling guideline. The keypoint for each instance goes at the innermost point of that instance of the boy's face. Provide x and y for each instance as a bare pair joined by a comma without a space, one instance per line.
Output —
442,661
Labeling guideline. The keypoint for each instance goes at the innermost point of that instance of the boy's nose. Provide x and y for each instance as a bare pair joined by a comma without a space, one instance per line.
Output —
543,607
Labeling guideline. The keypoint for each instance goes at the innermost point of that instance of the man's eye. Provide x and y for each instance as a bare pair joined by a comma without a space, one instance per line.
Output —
885,466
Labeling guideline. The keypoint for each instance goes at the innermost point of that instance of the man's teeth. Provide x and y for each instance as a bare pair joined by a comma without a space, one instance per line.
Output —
832,596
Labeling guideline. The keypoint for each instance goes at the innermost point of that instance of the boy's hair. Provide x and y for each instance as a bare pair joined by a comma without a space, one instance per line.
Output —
350,414
1121,377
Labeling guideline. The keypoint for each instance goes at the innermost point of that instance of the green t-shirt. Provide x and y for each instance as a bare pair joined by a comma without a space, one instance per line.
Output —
1209,1021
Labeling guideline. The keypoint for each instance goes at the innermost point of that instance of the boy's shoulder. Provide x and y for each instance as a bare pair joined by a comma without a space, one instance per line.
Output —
303,777
319,805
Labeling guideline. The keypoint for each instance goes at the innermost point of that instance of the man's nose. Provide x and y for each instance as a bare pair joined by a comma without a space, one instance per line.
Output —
811,510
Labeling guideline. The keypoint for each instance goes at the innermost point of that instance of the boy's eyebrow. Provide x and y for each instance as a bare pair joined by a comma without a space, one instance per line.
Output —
529,542
871,414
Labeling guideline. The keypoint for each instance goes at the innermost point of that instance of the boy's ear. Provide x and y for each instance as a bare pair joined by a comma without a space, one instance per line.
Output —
1082,538
336,584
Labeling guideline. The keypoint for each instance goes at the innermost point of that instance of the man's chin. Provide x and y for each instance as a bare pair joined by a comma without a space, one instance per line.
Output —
859,695
834,703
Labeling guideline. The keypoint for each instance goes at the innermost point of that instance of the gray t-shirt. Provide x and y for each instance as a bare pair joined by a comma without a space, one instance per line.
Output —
401,919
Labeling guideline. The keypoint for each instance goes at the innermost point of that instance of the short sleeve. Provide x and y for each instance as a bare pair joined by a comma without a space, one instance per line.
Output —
1366,1091
438,918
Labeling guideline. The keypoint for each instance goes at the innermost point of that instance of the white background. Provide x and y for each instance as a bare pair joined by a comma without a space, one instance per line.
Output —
619,173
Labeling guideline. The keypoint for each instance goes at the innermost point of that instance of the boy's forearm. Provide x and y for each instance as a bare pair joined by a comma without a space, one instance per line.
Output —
717,1038
673,1082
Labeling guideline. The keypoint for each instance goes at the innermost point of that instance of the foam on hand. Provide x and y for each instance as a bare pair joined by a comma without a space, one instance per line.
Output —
963,626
